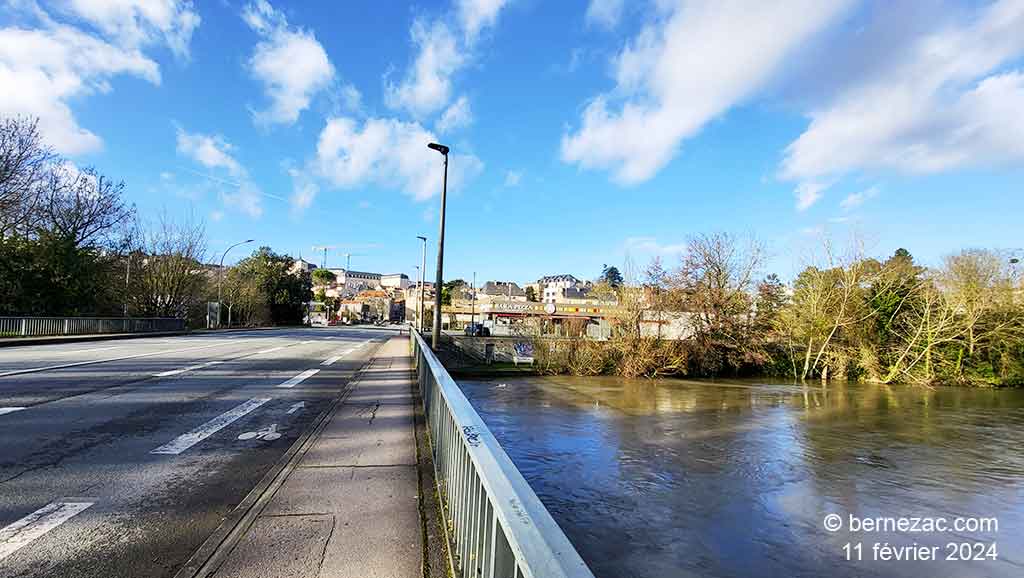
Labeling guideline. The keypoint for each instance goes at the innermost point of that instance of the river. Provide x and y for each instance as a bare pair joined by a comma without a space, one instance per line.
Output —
678,478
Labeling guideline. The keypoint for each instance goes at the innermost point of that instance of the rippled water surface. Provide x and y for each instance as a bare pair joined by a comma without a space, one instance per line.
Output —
733,479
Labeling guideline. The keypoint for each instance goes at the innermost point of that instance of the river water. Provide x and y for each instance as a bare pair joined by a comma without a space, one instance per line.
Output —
676,478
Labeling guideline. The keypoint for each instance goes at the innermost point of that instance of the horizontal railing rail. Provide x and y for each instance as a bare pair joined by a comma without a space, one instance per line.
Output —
497,526
49,326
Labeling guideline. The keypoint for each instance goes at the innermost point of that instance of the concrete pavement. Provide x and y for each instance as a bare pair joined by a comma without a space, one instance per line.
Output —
122,458
349,507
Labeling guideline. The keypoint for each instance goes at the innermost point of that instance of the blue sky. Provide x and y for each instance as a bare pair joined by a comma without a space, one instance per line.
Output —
581,131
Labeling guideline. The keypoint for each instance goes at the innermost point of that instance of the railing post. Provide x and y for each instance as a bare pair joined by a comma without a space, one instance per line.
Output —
24,327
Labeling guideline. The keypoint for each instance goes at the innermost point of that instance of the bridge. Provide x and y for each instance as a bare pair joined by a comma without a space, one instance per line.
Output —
296,451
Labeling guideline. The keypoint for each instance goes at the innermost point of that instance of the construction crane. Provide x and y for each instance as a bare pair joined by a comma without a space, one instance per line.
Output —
348,259
325,249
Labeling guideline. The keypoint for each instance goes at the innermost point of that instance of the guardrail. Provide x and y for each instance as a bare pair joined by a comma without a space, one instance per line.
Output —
46,326
497,526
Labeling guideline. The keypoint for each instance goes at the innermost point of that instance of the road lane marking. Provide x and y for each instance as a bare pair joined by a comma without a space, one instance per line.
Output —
95,361
296,407
271,350
269,434
299,378
334,359
6,410
184,369
37,524
185,441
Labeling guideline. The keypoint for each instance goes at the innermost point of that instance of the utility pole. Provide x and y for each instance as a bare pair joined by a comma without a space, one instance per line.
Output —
127,287
472,312
436,337
423,274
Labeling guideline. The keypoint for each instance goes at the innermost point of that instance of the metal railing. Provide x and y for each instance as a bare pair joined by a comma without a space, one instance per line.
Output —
497,526
45,326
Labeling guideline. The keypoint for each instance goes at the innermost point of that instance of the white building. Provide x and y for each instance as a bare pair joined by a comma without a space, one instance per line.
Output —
398,281
553,287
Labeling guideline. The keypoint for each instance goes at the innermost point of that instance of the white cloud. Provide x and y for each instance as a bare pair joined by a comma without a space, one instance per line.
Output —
808,193
216,216
440,53
427,87
52,63
136,23
683,70
940,100
456,116
513,178
289,61
247,198
854,200
604,12
43,69
211,151
390,153
216,153
304,190
475,15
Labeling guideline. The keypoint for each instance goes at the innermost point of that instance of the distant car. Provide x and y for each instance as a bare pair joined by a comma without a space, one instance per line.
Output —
477,330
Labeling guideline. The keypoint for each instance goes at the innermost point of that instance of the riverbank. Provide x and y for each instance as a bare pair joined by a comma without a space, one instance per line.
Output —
647,357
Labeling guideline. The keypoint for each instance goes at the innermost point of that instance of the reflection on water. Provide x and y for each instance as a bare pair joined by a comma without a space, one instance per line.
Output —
672,478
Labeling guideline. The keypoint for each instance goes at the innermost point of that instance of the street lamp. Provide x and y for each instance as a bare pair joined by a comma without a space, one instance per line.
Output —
220,274
423,273
436,337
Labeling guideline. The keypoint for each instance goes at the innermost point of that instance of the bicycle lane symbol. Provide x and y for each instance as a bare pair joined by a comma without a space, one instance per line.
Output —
268,433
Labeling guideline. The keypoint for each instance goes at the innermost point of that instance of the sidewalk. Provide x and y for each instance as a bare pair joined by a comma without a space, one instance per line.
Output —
349,509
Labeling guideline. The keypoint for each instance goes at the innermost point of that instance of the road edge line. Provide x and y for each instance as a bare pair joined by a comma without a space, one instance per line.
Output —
212,553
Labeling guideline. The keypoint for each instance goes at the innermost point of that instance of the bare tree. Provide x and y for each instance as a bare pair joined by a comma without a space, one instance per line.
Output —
82,205
24,163
715,280
169,278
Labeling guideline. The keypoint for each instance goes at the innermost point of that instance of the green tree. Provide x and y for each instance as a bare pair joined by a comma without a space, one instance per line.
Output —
611,276
531,294
323,277
274,294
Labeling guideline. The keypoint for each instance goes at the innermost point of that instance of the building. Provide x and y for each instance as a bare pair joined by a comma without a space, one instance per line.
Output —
553,287
398,281
301,265
500,290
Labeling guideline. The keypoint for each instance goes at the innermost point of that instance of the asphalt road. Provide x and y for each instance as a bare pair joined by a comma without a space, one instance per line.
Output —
120,458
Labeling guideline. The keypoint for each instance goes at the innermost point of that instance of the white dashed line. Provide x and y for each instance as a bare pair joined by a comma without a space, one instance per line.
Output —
184,369
333,360
300,378
185,441
37,524
271,350
6,410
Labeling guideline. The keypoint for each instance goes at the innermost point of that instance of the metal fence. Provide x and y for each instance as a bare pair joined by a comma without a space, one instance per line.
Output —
497,526
42,326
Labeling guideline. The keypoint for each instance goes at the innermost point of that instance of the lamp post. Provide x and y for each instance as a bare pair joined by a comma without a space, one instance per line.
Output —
423,274
220,274
436,337
472,312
